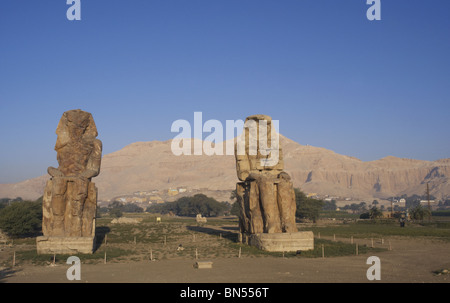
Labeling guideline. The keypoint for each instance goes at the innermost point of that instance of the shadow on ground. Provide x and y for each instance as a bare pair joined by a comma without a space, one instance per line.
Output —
235,228
229,235
6,273
100,233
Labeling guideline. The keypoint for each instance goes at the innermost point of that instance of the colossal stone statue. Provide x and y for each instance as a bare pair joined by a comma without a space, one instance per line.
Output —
70,198
266,194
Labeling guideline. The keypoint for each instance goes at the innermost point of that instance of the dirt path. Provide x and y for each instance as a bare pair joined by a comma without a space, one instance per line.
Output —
410,260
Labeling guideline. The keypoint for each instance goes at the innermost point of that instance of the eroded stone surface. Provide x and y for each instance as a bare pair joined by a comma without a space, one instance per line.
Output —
283,242
70,198
266,196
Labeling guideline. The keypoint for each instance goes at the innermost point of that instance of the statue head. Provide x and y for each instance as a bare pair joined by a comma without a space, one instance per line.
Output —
75,125
257,149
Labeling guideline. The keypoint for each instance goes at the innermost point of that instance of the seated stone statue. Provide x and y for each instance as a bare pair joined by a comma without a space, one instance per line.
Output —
266,196
70,198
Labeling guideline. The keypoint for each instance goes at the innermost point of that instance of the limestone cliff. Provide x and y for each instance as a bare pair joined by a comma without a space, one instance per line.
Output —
151,165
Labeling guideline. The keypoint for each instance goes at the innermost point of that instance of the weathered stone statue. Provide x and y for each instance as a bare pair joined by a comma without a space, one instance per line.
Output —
70,198
266,194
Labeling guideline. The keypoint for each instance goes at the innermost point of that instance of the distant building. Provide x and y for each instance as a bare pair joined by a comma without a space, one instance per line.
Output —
387,214
172,192
136,200
155,199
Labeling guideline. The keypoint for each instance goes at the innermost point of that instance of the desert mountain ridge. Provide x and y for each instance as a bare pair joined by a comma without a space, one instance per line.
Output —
144,166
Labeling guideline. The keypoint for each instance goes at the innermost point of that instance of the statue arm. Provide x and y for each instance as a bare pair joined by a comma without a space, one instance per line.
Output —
93,165
54,172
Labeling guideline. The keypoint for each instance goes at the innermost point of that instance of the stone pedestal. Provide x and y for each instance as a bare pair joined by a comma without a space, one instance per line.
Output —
65,245
279,242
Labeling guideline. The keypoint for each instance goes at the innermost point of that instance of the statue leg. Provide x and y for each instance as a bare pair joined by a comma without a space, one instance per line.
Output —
254,208
78,195
286,205
243,219
47,212
59,188
89,212
271,214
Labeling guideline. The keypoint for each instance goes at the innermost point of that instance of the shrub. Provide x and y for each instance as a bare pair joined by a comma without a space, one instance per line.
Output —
21,218
419,212
115,212
191,206
364,216
307,208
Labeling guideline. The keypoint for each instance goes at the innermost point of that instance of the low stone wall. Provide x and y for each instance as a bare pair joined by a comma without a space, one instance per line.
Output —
279,242
65,245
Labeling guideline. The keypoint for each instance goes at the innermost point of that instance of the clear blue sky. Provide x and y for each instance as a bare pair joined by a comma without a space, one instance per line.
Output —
331,77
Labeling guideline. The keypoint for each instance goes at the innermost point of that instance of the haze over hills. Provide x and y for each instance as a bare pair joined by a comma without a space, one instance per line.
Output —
144,166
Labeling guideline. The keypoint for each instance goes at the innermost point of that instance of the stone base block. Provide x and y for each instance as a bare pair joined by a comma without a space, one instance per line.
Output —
65,245
203,264
279,242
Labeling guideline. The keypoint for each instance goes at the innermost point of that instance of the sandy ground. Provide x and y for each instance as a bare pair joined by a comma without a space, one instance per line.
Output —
409,261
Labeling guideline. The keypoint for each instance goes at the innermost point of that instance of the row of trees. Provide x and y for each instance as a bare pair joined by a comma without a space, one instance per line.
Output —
310,208
116,209
24,218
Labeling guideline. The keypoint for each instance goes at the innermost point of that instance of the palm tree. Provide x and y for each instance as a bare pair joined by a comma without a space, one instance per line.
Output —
374,213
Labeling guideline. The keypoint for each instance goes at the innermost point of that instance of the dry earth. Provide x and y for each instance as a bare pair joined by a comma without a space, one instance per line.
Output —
409,261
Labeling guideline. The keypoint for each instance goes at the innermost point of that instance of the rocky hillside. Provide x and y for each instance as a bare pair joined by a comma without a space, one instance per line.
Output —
144,166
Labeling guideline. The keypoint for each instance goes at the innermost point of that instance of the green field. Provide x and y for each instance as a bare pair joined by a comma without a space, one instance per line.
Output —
218,239
369,229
